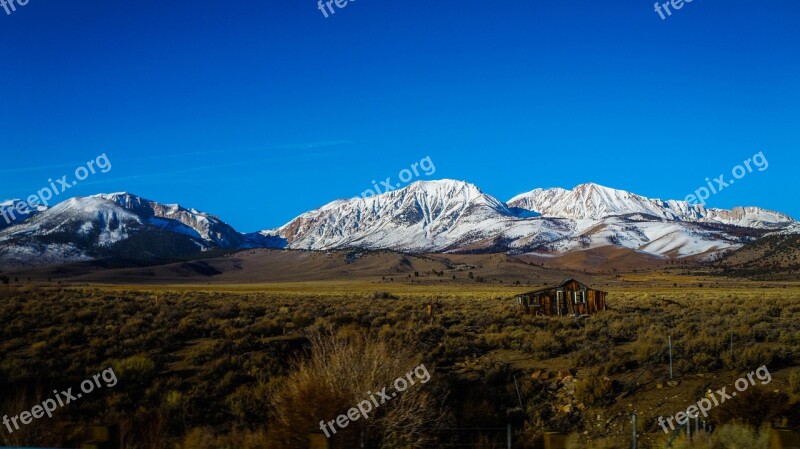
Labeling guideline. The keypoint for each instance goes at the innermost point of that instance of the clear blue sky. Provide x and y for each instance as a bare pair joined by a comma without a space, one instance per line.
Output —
260,110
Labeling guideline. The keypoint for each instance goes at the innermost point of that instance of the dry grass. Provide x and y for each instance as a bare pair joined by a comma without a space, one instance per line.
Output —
202,362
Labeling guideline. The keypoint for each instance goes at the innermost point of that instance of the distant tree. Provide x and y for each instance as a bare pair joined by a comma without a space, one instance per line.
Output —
470,275
416,274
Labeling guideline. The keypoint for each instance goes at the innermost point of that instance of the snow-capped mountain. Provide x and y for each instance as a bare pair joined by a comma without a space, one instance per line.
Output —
206,228
592,201
119,224
447,215
16,211
426,216
794,228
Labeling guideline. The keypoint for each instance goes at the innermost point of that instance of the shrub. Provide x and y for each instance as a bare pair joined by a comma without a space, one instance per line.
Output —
594,389
336,378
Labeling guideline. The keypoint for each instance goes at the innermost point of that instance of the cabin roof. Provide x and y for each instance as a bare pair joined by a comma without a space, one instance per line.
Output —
565,282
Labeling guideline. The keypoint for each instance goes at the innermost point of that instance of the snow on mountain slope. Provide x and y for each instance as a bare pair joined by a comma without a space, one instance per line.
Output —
121,224
447,215
175,218
17,211
80,217
749,217
671,239
794,228
67,232
592,201
424,216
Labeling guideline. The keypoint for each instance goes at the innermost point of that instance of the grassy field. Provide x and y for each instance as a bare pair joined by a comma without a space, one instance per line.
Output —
214,365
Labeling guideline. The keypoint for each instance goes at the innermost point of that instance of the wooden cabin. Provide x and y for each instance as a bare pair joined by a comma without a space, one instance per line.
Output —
570,298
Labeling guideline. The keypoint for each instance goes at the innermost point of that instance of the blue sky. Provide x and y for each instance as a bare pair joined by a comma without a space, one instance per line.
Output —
259,111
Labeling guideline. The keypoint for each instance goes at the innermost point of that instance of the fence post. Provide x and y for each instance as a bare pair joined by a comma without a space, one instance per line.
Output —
669,342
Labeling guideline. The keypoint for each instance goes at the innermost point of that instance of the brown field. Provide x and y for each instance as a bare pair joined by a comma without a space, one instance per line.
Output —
212,364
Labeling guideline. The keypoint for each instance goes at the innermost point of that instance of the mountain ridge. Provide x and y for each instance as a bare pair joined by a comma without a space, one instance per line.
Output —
437,216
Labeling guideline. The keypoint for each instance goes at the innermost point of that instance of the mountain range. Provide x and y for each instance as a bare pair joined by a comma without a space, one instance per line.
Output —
444,216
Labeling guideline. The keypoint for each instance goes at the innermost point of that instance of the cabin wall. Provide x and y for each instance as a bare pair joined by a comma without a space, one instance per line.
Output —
594,301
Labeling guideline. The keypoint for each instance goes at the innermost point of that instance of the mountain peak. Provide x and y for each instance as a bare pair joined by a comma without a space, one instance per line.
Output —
16,211
424,215
592,186
121,197
443,185
137,203
594,201
445,215
115,194
589,200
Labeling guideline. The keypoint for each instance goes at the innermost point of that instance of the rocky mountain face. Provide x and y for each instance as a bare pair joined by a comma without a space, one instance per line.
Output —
117,225
427,216
16,211
454,216
592,201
